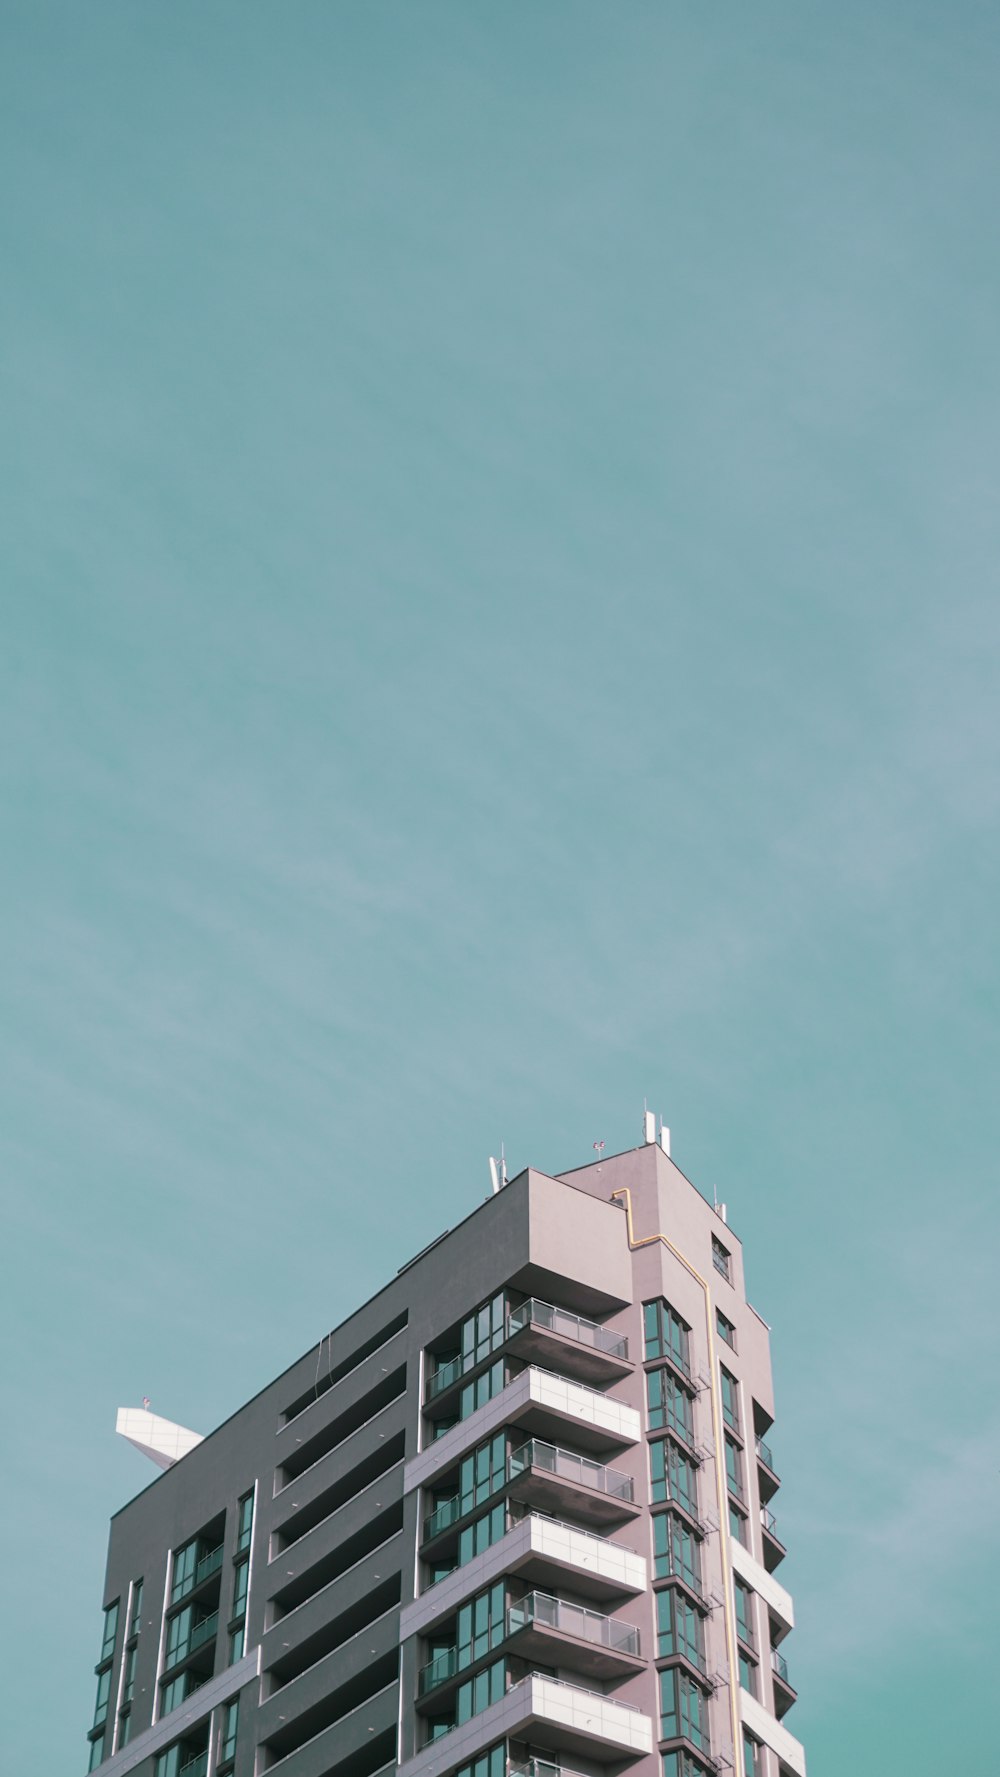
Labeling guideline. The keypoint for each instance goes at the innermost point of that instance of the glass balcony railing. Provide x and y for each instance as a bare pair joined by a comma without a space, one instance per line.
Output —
780,1665
209,1563
444,1665
537,1767
570,1326
764,1452
195,1767
443,1515
570,1467
573,1619
445,1375
769,1522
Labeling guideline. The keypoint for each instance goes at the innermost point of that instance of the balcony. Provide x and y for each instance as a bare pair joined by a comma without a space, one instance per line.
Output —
543,1552
542,1333
550,1478
559,1634
207,1566
195,1767
785,1693
555,1479
553,1716
201,1635
767,1474
774,1548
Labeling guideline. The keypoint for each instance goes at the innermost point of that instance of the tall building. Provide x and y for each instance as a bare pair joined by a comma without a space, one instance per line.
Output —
512,1518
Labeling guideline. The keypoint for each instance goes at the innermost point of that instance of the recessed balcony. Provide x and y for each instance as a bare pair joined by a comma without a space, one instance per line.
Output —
552,1715
544,1628
552,1337
774,1548
546,1476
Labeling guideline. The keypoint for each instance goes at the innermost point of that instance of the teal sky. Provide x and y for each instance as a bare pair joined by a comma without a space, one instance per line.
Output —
498,540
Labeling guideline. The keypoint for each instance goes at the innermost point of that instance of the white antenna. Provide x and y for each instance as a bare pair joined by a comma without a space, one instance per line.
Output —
498,1171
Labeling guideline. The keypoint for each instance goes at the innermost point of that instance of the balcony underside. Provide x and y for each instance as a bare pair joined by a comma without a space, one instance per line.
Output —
567,1356
559,1494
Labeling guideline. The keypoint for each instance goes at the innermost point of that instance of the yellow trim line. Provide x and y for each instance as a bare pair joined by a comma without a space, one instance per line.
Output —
721,1497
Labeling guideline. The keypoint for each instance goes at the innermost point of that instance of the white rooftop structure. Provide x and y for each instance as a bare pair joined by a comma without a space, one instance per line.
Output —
159,1439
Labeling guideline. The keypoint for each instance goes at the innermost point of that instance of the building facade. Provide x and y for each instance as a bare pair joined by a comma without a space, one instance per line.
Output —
513,1518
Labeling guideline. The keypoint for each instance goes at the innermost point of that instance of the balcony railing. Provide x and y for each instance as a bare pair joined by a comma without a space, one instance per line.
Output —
571,1326
579,1690
195,1638
570,1467
444,1665
446,1374
769,1522
195,1767
448,1512
537,1767
573,1619
764,1452
780,1665
209,1563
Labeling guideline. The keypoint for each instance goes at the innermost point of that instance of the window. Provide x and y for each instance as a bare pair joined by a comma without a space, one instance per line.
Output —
244,1523
744,1613
751,1756
748,1673
672,1476
683,1709
476,1694
669,1404
734,1468
124,1728
730,1399
179,1635
185,1567
135,1621
476,1394
103,1693
483,1531
665,1334
241,1579
681,1764
483,1331
679,1628
676,1551
737,1525
720,1259
128,1685
725,1329
175,1692
483,1471
489,1764
481,1624
110,1631
236,1641
96,1753
227,1740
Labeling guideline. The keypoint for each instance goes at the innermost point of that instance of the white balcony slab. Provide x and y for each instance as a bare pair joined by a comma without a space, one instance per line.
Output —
559,1716
615,1569
763,1582
534,1391
760,1722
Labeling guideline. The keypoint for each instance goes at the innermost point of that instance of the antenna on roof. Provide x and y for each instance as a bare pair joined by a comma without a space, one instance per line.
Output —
498,1171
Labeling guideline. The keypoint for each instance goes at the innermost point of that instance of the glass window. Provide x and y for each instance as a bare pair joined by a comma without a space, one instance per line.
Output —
185,1565
669,1404
103,1693
681,1764
751,1756
110,1631
124,1728
128,1676
737,1525
244,1522
135,1623
672,1476
241,1579
720,1259
676,1550
179,1635
483,1531
679,1628
744,1612
725,1329
169,1763
482,1389
748,1673
483,1471
96,1753
230,1723
730,1399
683,1710
481,1624
492,1763
236,1640
734,1468
477,1693
174,1692
665,1334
